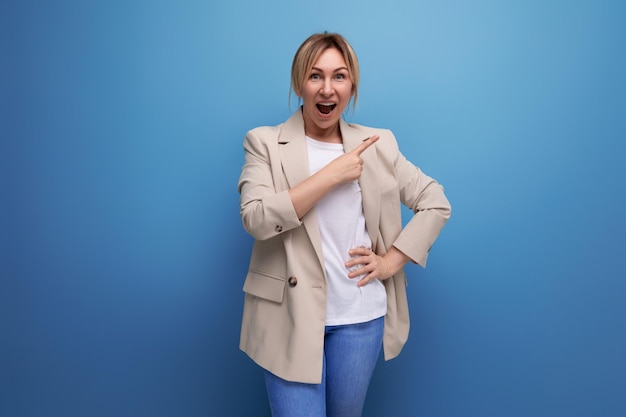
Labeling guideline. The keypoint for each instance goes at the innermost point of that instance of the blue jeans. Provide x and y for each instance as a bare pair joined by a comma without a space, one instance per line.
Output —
350,355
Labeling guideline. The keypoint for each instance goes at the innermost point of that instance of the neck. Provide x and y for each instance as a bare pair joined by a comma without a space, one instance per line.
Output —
330,135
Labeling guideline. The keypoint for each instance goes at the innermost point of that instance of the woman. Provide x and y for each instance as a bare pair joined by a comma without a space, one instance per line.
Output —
321,197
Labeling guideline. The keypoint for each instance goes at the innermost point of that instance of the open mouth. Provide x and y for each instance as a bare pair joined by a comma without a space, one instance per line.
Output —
326,108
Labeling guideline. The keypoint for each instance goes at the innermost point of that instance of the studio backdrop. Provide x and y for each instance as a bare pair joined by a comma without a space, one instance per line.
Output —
123,255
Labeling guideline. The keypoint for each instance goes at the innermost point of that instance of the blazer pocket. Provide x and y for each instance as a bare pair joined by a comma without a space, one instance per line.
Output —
265,286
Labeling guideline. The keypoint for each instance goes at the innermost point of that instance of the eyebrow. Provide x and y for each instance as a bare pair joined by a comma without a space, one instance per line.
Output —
338,69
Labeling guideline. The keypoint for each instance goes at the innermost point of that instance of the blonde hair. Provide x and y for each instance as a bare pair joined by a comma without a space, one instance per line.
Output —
311,49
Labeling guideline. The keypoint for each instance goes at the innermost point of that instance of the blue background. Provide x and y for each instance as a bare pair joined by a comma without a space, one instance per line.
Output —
123,254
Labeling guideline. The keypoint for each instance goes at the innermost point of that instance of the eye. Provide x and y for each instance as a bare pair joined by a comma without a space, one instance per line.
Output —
340,76
315,76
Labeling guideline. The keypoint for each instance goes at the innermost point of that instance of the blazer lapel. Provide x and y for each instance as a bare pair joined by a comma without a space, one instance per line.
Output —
295,162
293,150
370,186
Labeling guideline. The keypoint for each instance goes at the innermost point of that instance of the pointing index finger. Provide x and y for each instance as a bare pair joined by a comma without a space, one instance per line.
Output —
367,142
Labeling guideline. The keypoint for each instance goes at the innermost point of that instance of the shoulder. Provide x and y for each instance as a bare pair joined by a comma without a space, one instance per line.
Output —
292,126
262,138
263,132
369,129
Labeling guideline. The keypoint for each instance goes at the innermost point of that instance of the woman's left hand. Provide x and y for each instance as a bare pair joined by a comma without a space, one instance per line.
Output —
374,266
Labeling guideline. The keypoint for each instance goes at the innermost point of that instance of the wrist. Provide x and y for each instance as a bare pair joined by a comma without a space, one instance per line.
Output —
395,260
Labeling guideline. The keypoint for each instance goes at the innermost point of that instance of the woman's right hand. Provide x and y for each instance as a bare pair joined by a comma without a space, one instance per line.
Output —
348,167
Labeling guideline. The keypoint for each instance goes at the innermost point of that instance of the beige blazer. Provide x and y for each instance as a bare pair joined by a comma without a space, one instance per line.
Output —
285,288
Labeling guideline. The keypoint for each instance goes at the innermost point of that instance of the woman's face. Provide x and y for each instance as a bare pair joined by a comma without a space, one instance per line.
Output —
325,94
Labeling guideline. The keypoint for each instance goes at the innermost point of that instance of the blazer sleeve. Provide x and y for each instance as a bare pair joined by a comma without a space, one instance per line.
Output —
426,198
265,205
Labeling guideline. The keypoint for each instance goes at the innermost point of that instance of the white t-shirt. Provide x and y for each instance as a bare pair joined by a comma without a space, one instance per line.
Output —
342,227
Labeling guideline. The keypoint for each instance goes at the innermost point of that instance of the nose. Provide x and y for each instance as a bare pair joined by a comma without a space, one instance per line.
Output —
327,88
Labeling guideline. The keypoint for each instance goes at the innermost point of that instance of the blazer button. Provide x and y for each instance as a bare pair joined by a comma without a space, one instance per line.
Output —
293,281
278,228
